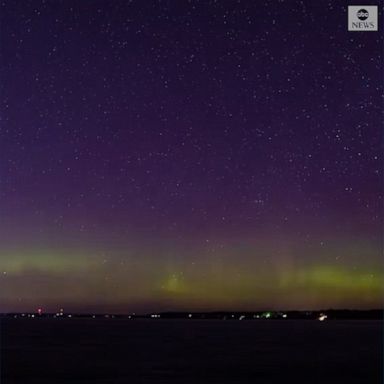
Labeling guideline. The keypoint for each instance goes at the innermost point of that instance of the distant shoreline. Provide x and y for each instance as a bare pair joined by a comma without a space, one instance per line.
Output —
331,314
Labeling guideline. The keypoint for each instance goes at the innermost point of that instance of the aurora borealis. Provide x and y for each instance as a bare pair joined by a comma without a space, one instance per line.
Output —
166,155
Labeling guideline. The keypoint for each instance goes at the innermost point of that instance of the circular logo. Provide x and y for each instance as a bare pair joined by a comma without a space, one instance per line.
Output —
362,14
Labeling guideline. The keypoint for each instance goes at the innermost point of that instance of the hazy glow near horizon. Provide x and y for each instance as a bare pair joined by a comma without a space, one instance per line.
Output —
83,282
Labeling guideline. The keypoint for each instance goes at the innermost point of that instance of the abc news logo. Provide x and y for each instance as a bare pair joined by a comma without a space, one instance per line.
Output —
362,14
362,18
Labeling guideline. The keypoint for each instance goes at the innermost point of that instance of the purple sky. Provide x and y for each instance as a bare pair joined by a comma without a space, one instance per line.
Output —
189,154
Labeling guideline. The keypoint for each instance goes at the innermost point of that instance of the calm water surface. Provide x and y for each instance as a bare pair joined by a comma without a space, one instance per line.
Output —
190,351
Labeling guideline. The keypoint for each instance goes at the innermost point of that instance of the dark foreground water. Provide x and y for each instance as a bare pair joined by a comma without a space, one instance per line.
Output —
190,351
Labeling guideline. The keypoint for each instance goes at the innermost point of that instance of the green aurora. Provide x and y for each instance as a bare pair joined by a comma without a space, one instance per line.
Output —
83,280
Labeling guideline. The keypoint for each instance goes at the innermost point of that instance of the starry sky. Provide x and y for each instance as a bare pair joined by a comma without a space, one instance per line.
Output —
189,155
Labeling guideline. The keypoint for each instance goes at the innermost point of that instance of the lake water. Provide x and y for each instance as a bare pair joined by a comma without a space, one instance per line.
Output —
117,351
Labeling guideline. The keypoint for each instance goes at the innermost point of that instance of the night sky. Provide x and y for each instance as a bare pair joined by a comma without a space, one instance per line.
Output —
189,155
